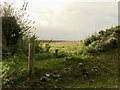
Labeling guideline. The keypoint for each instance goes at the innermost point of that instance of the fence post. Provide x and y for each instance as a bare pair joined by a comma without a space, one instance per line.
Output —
31,60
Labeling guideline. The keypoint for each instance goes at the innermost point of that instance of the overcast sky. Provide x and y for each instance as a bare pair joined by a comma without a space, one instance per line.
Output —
71,19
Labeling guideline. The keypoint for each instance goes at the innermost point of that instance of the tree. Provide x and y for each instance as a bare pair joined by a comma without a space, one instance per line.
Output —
16,25
10,32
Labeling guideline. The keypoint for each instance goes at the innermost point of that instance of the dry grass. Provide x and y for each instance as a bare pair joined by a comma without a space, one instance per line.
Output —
65,45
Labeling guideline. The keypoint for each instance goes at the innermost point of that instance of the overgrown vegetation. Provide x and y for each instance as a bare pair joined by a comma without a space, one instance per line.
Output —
104,40
91,63
78,69
16,27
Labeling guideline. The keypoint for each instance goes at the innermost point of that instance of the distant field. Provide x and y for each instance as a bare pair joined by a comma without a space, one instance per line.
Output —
68,46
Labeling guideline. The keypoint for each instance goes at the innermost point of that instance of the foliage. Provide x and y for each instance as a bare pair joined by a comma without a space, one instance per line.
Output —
78,71
11,76
8,10
104,40
50,55
62,54
91,39
47,46
11,33
16,25
38,48
43,56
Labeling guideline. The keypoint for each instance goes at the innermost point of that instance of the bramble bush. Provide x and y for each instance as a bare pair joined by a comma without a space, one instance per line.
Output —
103,41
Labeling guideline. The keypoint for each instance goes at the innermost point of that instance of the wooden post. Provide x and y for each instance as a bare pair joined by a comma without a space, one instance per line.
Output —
31,61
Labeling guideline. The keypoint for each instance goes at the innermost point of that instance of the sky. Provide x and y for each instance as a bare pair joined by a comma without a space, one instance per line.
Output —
71,19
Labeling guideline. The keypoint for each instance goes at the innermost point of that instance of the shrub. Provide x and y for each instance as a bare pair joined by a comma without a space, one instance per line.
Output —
43,56
84,50
103,41
87,41
62,54
47,46
12,77
90,40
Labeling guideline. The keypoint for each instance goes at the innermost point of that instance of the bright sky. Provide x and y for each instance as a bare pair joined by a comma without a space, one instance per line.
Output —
71,19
